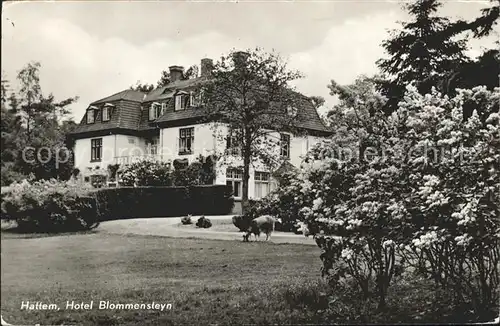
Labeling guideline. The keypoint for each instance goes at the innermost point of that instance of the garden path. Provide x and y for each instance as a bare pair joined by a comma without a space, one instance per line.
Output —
172,227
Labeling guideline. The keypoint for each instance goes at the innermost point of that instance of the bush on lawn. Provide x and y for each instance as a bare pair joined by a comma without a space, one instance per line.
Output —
425,200
141,202
242,222
203,222
50,206
185,220
279,204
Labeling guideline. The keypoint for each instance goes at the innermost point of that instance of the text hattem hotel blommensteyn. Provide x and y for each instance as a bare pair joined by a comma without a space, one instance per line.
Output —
101,305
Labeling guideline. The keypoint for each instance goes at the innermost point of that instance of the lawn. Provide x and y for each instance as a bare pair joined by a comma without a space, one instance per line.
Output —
206,281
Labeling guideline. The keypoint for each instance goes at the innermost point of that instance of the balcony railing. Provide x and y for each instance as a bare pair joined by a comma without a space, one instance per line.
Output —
137,158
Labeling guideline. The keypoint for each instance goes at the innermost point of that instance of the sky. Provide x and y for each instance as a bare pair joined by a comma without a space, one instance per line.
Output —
95,49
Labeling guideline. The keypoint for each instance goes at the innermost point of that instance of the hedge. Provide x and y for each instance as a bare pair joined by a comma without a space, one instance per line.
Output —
142,202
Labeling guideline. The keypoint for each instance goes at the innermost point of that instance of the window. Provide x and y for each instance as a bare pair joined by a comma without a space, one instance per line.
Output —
234,179
232,145
285,146
193,99
105,113
131,140
155,110
263,185
90,115
181,102
153,146
163,108
292,111
96,150
186,140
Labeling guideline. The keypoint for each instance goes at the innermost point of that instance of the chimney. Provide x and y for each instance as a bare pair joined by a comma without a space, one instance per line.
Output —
206,67
176,73
239,58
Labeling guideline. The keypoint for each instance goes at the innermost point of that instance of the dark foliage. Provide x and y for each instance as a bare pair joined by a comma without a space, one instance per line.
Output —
422,52
242,222
203,222
142,202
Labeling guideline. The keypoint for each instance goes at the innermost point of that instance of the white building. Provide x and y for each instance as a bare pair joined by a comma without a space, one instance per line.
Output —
167,124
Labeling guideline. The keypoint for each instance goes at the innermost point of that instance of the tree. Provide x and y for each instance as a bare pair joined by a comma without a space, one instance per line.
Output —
35,129
482,25
317,101
191,72
145,88
423,52
484,71
250,95
11,142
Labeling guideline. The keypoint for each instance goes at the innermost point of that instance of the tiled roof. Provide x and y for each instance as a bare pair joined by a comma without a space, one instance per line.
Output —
131,112
128,94
169,90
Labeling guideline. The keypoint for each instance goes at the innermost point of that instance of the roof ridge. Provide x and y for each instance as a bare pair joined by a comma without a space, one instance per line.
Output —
99,100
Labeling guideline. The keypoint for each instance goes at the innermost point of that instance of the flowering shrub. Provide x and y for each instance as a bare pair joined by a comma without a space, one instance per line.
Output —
146,173
50,206
150,173
426,197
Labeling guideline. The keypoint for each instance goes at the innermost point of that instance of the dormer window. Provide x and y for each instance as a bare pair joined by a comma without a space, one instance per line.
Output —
192,99
181,101
91,114
292,111
106,112
155,110
163,108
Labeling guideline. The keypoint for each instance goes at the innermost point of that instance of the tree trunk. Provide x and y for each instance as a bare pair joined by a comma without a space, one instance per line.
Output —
246,177
247,156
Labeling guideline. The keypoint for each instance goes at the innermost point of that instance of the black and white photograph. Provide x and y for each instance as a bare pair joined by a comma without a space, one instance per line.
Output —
250,162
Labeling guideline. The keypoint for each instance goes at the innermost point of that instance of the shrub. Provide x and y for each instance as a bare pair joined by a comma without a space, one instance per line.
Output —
428,198
146,173
242,222
186,220
203,222
160,174
50,206
279,205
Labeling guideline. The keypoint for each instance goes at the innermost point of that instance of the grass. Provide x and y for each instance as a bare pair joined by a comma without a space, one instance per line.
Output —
206,281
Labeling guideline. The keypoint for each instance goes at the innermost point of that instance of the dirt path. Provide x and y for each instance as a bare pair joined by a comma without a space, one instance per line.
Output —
170,227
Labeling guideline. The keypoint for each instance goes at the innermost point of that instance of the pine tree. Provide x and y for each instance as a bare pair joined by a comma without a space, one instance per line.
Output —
423,52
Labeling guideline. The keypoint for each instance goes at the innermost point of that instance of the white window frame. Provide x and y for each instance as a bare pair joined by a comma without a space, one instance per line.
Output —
234,178
262,179
186,135
192,99
292,111
163,108
232,147
154,111
96,150
180,102
285,146
153,146
105,113
92,110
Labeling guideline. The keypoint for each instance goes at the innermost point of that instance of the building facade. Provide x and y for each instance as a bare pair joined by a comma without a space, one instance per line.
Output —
168,123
